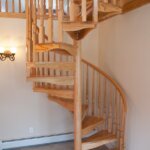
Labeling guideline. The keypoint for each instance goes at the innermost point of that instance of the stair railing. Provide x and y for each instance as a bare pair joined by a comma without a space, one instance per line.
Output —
105,99
39,13
12,8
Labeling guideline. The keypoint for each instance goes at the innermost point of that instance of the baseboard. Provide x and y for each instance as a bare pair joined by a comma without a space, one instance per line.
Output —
0,145
36,141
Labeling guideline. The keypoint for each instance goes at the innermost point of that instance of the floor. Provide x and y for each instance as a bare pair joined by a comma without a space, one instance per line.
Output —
57,146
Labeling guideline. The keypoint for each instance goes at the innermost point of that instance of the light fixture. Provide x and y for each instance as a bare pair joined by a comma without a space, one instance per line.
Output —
7,53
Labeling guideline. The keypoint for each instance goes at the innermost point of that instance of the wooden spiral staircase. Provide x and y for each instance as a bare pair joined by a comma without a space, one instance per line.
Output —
56,68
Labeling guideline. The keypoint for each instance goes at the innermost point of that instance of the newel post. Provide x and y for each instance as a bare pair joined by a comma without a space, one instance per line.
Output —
78,101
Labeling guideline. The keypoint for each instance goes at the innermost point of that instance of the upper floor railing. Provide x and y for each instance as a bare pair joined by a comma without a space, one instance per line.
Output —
74,9
12,8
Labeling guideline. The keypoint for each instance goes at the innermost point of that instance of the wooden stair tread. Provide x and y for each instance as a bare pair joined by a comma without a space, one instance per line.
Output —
54,65
76,26
57,80
107,7
61,93
55,46
90,123
99,139
68,104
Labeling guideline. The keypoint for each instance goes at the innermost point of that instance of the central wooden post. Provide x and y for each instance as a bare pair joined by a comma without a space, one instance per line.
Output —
78,101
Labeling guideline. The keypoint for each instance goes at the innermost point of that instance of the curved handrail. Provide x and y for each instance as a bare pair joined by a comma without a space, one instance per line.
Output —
111,80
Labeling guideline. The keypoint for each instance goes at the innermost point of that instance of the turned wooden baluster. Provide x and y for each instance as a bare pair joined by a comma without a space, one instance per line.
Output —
56,11
29,30
0,5
6,5
27,33
93,91
20,9
29,5
13,5
34,25
95,11
50,21
110,109
38,7
123,116
72,11
35,37
60,21
68,8
84,11
99,96
42,29
105,103
27,26
87,85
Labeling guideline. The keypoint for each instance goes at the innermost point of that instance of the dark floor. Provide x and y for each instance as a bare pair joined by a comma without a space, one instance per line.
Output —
57,146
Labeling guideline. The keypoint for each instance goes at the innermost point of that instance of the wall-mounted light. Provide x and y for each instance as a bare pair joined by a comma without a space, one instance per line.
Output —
7,53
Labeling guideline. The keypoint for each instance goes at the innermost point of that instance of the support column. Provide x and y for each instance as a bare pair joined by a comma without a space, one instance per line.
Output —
78,101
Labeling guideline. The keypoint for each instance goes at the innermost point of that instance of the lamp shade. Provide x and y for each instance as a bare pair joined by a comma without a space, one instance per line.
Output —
2,49
13,50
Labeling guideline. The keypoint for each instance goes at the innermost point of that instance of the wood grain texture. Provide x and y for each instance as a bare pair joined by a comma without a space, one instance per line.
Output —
53,65
56,46
134,5
95,99
67,104
63,80
76,26
108,7
61,93
99,139
90,123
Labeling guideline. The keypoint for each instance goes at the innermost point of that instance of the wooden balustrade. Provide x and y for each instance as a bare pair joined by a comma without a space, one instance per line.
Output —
12,8
72,10
104,99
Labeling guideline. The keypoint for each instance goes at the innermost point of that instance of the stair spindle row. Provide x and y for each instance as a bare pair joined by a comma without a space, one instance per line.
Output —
12,6
105,100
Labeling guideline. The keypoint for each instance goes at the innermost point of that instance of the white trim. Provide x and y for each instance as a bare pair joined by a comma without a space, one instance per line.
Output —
0,145
36,141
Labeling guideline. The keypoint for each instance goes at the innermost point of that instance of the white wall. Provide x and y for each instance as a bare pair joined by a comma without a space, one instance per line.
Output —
90,46
125,49
20,108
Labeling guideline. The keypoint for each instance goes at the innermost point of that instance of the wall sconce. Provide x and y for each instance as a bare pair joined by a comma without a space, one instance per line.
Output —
7,54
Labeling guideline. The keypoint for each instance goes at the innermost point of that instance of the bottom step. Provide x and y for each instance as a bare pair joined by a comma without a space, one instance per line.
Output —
90,123
99,139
